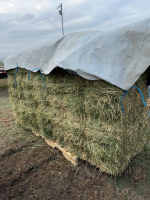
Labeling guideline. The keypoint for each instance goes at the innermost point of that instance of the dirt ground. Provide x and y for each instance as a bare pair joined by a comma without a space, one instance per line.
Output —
31,170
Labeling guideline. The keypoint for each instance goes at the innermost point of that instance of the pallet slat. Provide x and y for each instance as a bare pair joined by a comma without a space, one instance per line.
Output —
69,156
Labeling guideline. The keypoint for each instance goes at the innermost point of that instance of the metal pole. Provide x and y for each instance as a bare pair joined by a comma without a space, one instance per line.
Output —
62,24
61,13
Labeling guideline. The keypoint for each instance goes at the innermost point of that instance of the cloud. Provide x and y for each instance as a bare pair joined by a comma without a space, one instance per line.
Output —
27,16
24,24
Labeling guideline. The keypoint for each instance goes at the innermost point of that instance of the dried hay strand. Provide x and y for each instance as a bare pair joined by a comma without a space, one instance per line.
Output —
82,115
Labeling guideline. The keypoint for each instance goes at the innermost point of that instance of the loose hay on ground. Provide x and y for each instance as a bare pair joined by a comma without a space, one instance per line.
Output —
82,115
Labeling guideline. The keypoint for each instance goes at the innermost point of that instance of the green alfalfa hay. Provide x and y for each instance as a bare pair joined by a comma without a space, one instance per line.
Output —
84,116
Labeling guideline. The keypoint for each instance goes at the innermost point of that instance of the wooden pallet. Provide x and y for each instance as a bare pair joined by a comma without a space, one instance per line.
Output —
66,153
69,156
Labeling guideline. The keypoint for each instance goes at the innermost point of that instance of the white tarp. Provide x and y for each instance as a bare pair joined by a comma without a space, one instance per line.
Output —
118,56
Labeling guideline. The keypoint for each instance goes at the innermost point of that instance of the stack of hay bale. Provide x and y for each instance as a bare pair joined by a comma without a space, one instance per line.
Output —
83,116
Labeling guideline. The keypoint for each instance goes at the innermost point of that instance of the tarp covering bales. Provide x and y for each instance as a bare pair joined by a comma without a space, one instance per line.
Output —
94,119
118,56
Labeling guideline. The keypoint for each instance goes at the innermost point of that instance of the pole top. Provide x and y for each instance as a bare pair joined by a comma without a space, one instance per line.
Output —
60,6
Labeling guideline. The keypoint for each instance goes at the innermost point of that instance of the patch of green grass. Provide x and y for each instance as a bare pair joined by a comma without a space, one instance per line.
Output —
5,102
3,88
3,171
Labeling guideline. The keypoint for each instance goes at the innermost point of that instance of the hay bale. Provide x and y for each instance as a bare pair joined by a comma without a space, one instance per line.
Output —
82,115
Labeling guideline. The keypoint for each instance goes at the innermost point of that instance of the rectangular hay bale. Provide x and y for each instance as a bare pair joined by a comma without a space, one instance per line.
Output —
83,116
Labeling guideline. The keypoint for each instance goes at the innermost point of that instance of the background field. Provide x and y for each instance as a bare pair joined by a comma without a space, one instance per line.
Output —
3,82
30,169
1,63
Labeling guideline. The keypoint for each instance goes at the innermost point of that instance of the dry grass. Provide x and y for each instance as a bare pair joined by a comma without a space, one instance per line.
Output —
3,82
84,116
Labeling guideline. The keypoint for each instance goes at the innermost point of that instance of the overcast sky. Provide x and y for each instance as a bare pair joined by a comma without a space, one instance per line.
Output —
24,24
